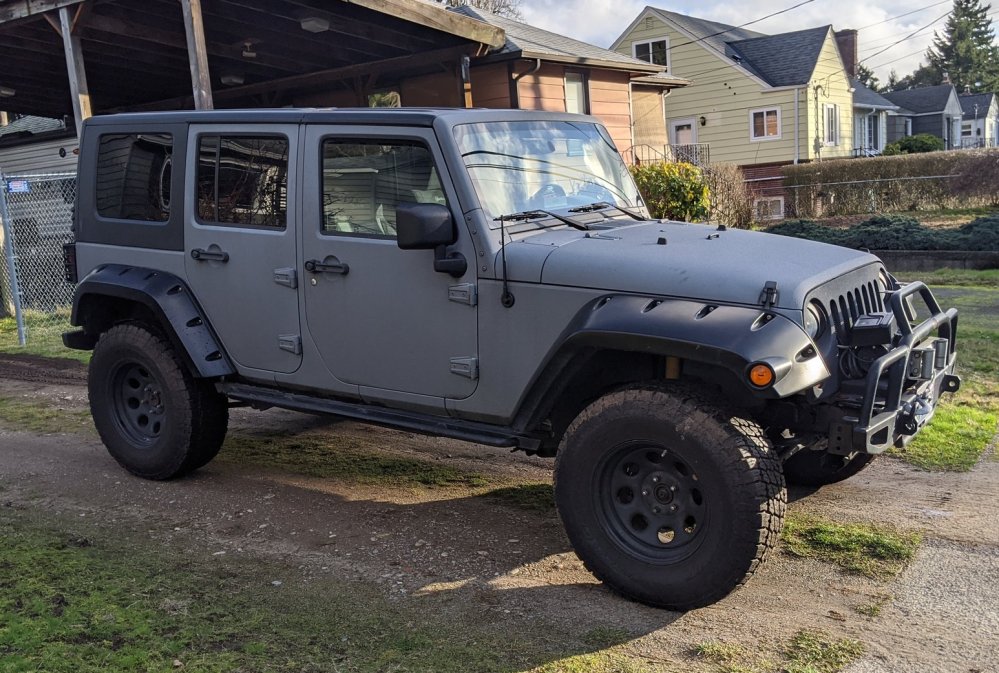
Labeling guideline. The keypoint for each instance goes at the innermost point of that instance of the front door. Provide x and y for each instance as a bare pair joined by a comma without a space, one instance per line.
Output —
681,132
381,317
240,241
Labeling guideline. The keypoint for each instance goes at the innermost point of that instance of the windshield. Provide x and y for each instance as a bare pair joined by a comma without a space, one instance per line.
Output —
543,165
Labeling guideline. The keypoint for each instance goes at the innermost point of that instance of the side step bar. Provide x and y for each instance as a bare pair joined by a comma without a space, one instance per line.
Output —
438,426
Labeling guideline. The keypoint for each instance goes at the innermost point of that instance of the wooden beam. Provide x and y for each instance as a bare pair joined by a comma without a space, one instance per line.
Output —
197,53
78,88
12,10
438,18
397,65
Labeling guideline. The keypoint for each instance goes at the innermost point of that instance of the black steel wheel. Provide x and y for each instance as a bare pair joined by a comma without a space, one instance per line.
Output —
155,419
667,497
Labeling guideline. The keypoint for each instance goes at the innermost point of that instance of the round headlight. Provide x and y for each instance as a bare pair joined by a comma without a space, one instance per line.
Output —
815,320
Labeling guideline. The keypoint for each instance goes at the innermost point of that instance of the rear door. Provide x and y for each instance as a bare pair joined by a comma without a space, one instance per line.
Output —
240,241
381,317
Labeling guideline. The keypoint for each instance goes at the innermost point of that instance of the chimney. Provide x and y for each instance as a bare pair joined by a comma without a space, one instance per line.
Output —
846,40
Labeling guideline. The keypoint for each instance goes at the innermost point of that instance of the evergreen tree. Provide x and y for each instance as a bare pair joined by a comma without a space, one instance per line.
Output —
867,77
966,50
924,75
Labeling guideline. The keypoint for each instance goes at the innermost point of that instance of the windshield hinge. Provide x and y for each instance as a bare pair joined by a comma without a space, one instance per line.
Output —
769,295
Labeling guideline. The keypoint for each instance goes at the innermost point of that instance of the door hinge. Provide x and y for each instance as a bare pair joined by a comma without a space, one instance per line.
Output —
466,293
287,277
291,343
467,367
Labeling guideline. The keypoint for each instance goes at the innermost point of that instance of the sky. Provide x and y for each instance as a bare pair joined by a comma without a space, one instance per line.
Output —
600,22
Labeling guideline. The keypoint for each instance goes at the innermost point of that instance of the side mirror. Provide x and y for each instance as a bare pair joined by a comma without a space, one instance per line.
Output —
423,226
428,226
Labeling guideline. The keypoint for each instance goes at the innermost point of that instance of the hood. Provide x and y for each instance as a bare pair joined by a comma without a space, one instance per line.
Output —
696,262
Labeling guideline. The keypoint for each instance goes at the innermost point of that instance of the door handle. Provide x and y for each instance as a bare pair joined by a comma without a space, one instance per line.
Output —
200,255
315,266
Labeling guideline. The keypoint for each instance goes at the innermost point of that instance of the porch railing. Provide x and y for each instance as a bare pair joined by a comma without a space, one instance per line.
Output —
698,154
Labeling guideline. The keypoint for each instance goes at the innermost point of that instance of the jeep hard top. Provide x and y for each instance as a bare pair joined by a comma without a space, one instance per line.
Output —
491,276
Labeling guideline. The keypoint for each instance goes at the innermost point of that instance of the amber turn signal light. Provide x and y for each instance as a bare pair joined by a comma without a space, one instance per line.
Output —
761,375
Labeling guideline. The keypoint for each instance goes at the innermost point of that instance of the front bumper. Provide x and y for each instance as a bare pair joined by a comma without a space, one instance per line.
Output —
895,406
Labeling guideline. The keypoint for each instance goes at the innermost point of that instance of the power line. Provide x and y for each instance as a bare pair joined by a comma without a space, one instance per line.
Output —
907,37
915,11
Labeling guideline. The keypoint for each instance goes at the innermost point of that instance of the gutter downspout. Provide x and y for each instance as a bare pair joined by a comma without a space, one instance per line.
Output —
521,75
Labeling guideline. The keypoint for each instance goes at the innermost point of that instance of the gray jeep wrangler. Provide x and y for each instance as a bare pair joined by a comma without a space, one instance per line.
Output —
491,276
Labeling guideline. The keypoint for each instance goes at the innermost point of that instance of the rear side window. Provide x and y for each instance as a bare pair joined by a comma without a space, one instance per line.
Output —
133,176
243,180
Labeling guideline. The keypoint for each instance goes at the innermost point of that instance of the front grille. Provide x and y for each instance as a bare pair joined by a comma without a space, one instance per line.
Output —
853,303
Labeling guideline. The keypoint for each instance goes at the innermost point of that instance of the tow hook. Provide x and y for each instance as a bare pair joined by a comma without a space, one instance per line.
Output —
914,415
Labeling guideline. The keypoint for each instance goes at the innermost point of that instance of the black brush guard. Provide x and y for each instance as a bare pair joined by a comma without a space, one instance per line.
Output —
892,410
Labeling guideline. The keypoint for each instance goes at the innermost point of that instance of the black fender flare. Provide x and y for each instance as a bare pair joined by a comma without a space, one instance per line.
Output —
732,337
167,297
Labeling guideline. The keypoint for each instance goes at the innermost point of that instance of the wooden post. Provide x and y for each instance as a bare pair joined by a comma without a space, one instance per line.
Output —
197,54
464,72
74,67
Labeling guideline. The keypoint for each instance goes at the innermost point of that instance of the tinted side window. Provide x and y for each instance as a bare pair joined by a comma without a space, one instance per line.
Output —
243,180
364,181
133,176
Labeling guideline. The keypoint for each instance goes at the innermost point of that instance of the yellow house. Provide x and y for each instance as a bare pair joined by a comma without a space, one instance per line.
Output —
755,100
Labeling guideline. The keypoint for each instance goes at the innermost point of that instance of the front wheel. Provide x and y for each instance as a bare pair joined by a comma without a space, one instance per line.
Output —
668,498
155,419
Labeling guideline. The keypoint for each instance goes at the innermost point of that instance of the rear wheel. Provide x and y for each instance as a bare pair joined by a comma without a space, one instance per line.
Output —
156,420
666,497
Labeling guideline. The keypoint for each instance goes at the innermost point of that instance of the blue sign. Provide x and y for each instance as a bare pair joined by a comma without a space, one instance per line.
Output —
18,187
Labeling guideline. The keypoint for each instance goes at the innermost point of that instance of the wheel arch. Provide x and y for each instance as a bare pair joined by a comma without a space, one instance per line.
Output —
114,293
633,335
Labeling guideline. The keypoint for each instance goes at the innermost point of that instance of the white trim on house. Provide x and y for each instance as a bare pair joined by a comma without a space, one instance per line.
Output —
830,139
774,211
690,121
753,138
651,11
664,39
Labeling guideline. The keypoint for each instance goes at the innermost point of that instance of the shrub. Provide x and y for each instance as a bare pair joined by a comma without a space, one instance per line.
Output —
886,184
921,142
899,233
675,191
731,202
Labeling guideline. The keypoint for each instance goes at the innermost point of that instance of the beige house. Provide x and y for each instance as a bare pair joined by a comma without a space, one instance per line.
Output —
754,99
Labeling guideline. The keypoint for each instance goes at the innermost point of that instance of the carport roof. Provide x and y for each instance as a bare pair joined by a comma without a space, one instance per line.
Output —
135,54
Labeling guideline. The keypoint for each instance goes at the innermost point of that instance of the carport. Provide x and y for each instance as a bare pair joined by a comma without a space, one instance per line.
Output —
76,58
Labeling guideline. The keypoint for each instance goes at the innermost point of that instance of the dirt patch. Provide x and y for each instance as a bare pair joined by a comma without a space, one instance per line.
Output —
23,367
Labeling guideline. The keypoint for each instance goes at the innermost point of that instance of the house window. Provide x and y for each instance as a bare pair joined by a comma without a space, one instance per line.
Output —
965,129
576,100
831,135
764,124
873,126
908,126
653,51
769,208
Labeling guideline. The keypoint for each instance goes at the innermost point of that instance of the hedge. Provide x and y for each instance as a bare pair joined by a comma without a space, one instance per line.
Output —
899,233
675,191
893,183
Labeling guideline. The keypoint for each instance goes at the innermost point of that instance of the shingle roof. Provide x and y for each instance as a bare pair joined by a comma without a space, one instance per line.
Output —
31,125
867,97
522,39
710,33
924,99
785,59
982,100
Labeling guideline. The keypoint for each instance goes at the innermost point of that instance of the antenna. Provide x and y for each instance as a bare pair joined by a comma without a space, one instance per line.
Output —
507,298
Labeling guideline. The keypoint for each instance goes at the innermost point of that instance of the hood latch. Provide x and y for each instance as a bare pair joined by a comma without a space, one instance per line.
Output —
769,295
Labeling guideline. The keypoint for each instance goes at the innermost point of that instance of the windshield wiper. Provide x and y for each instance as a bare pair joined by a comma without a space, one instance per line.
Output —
535,214
603,205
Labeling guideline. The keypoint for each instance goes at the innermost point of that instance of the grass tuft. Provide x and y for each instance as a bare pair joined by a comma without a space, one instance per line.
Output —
44,336
41,417
530,497
815,652
872,550
342,458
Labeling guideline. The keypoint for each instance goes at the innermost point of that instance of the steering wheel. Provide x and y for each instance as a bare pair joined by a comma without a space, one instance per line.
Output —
547,191
592,192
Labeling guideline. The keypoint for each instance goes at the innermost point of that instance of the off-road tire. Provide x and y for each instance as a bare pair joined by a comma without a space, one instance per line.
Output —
155,419
729,495
816,467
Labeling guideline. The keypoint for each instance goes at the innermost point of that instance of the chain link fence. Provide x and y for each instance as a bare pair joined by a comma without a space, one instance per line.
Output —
36,212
